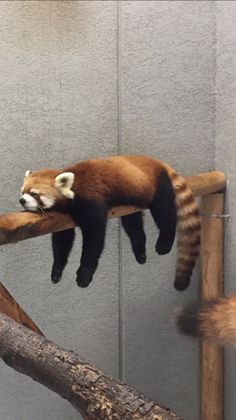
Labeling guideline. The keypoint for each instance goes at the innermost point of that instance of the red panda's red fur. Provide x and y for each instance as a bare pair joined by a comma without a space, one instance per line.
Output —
135,176
213,320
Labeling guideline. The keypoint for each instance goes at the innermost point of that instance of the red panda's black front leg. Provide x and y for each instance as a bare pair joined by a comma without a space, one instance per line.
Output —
62,243
91,217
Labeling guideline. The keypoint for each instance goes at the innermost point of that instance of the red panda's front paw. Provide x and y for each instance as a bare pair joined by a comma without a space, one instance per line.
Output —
141,259
84,276
56,275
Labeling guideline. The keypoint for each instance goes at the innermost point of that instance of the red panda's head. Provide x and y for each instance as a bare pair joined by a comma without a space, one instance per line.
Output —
45,188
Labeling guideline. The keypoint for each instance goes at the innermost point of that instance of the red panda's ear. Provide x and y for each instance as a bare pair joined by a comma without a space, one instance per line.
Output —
64,182
27,173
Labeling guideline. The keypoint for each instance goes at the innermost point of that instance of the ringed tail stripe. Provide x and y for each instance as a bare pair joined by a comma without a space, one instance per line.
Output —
188,229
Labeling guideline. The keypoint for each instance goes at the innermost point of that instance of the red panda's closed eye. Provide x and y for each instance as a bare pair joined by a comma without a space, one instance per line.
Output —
34,194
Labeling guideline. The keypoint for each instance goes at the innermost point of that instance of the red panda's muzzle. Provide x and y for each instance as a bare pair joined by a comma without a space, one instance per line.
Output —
29,202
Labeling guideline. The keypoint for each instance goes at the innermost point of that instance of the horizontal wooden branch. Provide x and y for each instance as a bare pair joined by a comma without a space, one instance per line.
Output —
91,392
18,226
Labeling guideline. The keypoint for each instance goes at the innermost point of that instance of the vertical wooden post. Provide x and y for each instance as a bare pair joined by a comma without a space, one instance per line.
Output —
212,357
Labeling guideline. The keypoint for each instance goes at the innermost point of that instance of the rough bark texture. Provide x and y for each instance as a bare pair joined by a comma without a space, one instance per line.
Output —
18,226
94,394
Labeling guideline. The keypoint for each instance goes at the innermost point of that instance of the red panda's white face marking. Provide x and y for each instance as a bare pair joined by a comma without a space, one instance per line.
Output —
41,190
29,202
47,202
34,201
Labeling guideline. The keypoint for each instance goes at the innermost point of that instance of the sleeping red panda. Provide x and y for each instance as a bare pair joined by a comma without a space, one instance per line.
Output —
213,320
88,189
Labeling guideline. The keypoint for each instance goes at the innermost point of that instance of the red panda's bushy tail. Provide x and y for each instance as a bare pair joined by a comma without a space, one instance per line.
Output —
213,320
188,230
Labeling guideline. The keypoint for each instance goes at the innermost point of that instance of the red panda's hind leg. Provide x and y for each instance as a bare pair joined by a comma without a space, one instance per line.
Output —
163,211
133,226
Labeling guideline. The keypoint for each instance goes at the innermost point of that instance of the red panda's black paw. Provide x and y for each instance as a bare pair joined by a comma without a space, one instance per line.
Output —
84,276
141,259
163,248
56,276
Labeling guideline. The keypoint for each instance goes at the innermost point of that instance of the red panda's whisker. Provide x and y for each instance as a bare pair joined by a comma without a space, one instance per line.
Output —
41,209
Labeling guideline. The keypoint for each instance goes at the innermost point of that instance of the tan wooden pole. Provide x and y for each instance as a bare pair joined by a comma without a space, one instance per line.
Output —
18,226
212,287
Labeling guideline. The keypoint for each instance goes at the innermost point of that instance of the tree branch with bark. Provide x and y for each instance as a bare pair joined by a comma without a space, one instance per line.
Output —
92,393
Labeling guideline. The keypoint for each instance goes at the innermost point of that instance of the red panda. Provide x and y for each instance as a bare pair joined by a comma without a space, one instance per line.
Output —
213,320
88,189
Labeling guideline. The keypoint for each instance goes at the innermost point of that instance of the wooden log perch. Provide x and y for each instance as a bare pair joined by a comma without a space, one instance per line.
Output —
92,393
18,226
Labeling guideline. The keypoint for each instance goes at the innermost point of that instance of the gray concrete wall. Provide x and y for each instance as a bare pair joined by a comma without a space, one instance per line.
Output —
90,78
225,161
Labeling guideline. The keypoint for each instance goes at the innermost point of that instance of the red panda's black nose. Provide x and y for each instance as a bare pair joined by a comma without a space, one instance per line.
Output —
22,201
